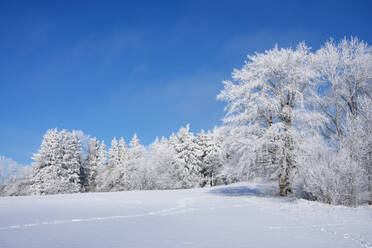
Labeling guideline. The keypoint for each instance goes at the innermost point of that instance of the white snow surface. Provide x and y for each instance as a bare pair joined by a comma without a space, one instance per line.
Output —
239,215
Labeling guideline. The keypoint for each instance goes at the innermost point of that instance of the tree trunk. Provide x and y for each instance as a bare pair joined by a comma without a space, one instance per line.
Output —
286,161
284,175
369,171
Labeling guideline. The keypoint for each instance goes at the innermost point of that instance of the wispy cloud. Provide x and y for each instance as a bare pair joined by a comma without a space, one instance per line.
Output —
265,38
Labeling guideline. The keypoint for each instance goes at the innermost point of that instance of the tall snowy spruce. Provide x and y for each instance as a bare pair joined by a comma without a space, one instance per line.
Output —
264,106
125,166
189,155
119,165
57,166
95,161
107,179
169,172
136,165
211,164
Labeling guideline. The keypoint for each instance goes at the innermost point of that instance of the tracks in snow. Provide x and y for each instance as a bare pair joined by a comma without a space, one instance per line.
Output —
325,228
181,207
187,205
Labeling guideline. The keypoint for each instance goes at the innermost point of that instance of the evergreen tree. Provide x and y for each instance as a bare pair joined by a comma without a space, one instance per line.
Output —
120,175
57,165
211,163
122,152
168,172
43,169
95,160
136,163
107,180
113,154
71,166
189,155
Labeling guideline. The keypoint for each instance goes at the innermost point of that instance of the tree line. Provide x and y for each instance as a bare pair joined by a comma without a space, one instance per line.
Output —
64,165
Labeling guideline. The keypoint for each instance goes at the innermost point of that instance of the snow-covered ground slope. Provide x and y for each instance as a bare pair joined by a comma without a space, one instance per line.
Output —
240,215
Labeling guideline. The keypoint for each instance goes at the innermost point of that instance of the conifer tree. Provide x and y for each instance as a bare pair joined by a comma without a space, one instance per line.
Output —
188,154
136,164
57,166
106,176
210,159
168,171
95,160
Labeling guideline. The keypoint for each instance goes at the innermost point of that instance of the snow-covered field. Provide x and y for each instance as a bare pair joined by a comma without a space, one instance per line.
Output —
240,215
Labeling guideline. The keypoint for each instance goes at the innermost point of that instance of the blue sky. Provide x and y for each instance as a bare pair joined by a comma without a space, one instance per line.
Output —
115,68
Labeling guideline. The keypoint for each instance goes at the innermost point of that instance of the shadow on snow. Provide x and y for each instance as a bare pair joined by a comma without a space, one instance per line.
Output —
257,190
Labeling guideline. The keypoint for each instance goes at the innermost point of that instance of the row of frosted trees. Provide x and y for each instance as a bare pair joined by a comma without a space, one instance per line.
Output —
182,161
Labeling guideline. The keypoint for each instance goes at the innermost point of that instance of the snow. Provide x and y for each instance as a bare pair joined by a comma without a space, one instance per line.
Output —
239,215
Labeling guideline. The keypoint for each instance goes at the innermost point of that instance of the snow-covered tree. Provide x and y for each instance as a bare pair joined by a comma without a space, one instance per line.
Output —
106,177
15,179
340,171
125,166
168,172
46,161
123,151
113,153
71,163
120,173
239,150
95,160
211,163
331,175
266,104
136,165
359,142
9,169
57,165
344,76
189,155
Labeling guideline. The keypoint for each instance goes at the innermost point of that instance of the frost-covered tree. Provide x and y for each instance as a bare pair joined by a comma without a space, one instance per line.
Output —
189,155
113,153
359,142
352,159
96,159
57,165
125,166
136,165
71,163
340,171
266,104
344,76
168,172
211,164
240,147
120,173
123,151
9,169
46,161
14,178
106,177
331,175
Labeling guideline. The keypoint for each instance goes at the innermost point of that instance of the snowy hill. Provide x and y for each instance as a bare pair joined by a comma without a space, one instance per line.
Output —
240,215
